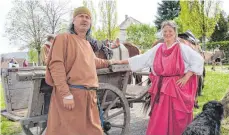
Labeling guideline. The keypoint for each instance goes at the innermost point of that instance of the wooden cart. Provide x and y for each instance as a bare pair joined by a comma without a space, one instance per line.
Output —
26,96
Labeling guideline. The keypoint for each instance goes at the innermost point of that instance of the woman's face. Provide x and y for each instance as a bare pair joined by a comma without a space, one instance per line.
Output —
169,33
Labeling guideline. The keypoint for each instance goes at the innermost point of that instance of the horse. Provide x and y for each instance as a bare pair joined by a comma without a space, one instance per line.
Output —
104,52
133,51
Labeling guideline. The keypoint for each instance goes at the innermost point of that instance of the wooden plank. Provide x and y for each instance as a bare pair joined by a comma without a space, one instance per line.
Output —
20,85
19,98
36,100
6,93
20,113
10,116
115,79
143,73
125,81
135,90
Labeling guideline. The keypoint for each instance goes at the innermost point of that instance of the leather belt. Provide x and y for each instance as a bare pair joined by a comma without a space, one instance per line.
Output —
83,87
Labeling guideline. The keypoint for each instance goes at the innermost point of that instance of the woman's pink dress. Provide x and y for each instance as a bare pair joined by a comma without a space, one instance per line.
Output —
172,108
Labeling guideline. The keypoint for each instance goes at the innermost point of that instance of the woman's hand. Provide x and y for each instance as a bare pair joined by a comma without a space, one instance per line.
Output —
182,81
113,62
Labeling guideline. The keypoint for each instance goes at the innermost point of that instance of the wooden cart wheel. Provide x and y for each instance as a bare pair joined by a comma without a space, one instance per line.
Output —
33,129
114,109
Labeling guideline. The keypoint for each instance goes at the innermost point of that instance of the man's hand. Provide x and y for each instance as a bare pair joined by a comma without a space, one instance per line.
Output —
69,103
182,81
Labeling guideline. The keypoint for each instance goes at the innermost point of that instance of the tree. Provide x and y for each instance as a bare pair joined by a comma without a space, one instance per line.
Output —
33,56
200,17
141,34
167,10
108,14
29,22
54,13
99,34
221,29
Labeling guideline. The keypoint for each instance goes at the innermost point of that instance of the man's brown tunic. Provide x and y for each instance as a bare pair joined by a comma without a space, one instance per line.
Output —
72,61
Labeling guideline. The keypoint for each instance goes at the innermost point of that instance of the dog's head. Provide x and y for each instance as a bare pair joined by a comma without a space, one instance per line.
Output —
215,106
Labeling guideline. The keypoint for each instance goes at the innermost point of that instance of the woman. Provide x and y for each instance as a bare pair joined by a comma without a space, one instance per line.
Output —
174,69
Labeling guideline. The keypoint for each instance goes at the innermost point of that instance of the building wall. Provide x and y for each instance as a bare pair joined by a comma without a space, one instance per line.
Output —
122,36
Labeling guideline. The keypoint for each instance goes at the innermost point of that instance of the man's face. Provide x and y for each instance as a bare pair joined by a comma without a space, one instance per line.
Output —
82,22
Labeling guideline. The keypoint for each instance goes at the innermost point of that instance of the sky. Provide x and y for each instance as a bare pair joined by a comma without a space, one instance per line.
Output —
142,10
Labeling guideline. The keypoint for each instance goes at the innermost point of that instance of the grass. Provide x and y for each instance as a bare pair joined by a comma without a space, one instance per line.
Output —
216,86
7,127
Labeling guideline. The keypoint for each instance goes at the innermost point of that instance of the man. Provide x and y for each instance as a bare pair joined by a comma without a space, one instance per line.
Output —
45,49
120,52
71,69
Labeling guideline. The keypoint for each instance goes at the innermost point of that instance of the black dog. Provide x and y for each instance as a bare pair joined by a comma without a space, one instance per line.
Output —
208,122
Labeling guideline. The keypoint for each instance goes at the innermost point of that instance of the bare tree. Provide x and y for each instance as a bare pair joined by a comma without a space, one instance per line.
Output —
26,25
54,13
30,21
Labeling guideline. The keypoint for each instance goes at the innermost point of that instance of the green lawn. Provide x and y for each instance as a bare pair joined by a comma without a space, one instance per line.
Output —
216,86
7,127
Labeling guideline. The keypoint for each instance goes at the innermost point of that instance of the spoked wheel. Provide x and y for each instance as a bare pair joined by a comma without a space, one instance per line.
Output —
114,109
32,131
34,126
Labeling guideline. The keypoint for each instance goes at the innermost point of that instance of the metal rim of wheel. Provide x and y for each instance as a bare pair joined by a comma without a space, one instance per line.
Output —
28,131
109,115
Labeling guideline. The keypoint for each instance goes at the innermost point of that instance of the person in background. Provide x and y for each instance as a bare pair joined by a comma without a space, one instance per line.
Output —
13,63
45,49
25,63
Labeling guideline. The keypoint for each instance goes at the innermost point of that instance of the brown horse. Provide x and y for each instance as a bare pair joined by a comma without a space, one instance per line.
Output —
133,51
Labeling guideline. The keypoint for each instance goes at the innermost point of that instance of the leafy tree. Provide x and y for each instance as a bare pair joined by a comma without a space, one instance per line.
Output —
108,14
167,10
33,56
199,16
141,34
99,34
221,29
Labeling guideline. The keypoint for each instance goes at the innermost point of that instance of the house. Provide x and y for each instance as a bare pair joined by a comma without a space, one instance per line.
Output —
124,25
